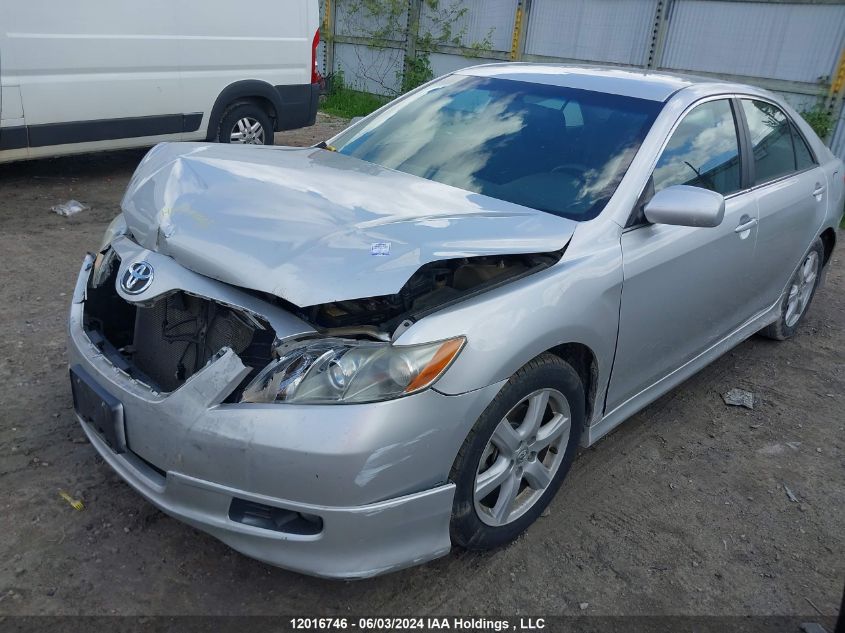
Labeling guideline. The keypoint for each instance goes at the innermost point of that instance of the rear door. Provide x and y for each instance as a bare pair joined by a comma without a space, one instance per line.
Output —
791,191
686,287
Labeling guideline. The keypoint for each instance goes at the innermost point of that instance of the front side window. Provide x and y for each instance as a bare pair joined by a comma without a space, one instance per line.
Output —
771,140
552,148
703,151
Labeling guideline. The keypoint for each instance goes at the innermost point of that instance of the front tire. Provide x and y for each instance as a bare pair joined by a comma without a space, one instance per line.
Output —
245,123
798,296
517,454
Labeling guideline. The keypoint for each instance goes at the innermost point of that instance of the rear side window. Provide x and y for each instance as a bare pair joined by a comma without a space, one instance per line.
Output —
803,156
771,142
703,151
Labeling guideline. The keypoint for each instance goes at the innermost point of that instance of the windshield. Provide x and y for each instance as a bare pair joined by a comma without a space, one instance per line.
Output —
552,148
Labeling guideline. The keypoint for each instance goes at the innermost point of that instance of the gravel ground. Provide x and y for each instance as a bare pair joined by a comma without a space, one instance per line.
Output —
682,510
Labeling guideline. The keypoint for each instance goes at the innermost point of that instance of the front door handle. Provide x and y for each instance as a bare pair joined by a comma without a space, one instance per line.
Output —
746,224
819,190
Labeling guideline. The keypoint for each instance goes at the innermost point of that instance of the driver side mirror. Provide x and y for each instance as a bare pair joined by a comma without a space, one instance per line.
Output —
683,205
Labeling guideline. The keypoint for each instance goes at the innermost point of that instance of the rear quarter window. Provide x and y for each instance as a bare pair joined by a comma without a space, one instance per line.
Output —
803,156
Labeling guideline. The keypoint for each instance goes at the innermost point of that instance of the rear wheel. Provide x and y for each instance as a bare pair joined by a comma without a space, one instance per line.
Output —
246,123
517,454
799,294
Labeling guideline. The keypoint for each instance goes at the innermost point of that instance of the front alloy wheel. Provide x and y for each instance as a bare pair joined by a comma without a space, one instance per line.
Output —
522,458
514,459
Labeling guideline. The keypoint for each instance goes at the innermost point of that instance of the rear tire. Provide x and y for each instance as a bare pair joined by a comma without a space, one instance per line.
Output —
798,296
245,122
516,456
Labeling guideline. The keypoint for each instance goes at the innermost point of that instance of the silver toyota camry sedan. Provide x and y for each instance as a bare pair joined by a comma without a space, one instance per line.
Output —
345,359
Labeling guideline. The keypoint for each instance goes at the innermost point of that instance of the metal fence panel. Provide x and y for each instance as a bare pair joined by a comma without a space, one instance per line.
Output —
352,17
375,70
482,19
800,102
442,63
616,31
789,47
778,41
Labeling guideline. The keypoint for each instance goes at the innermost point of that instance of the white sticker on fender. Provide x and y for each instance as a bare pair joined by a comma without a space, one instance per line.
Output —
380,249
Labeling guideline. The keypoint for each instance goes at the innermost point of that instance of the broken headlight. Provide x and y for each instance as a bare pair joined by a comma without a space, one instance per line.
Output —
116,227
106,257
336,370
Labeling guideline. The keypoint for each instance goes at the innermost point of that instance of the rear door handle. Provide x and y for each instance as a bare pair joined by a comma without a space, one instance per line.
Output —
746,224
819,190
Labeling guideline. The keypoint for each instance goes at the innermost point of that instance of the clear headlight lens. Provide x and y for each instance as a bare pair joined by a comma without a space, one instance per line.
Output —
339,370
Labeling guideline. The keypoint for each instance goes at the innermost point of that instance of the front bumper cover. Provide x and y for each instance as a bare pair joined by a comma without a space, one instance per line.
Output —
375,474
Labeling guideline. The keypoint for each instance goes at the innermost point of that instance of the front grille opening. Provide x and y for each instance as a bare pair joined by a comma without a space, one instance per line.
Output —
166,342
271,518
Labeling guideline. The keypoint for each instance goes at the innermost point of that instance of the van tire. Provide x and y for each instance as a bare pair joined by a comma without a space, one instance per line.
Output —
240,119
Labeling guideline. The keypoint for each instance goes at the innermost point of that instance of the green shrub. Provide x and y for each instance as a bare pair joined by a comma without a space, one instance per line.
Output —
418,71
820,120
348,103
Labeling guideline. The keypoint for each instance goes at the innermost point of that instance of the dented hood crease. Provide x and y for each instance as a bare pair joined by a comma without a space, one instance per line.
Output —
313,226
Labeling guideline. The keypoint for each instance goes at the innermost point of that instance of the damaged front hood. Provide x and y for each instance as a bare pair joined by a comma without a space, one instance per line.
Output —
313,226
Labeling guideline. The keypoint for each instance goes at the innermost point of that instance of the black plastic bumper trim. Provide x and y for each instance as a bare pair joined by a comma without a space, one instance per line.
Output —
298,106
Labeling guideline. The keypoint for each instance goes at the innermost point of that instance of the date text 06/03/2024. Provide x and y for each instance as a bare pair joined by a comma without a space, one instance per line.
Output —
411,623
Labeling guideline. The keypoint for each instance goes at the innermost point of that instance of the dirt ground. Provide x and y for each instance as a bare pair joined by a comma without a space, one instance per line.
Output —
682,510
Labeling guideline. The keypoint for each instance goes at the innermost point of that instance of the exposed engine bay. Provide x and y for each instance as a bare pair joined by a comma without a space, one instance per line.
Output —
434,286
165,342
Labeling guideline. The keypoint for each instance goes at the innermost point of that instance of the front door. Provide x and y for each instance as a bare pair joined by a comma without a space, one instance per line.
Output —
685,288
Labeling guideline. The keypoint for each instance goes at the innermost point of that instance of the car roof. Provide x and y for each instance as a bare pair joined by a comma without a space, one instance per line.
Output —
642,84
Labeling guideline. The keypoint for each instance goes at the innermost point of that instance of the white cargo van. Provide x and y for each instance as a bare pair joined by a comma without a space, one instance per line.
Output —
86,75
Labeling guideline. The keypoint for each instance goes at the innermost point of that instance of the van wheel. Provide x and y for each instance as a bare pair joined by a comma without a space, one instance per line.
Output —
517,454
246,123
